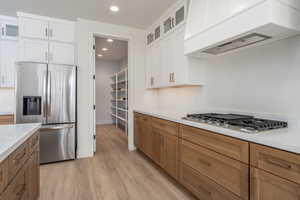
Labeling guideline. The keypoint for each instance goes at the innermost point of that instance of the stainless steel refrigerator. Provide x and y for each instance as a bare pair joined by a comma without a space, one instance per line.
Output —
46,93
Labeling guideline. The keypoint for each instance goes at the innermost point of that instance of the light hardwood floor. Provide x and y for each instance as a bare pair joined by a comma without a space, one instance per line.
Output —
113,174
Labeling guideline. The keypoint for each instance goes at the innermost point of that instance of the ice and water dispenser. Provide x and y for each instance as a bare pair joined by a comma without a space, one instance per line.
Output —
32,105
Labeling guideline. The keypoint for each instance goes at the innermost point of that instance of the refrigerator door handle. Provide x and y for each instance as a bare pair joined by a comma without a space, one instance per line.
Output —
45,96
57,127
49,94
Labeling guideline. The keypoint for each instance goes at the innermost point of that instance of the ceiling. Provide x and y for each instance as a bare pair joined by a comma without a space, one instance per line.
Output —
134,13
117,50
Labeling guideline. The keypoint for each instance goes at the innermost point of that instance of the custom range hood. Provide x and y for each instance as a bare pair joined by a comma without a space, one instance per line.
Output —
217,27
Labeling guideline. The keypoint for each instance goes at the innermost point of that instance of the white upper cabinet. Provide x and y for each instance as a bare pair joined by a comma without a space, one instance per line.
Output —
61,31
148,64
46,40
166,64
217,27
174,18
9,47
33,28
34,50
156,66
9,28
8,58
168,61
61,53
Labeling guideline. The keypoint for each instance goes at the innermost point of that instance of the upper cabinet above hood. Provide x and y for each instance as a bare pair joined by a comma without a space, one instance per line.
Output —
216,27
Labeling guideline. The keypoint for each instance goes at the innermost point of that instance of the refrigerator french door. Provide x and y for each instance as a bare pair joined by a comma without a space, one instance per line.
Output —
47,94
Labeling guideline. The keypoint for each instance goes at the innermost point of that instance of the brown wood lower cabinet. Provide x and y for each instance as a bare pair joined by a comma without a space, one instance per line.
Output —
202,186
158,139
3,175
165,151
144,139
23,173
33,176
217,167
170,161
157,146
17,190
265,186
230,174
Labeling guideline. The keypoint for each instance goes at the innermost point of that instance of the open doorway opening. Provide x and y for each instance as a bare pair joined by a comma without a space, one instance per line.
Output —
111,87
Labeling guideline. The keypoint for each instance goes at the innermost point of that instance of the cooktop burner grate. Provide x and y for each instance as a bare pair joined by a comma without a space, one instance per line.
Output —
238,122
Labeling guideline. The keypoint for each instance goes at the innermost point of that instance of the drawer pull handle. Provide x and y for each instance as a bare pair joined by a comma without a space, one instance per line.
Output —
204,190
278,164
204,162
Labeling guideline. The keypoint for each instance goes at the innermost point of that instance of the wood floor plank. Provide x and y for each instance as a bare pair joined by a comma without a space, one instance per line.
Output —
113,174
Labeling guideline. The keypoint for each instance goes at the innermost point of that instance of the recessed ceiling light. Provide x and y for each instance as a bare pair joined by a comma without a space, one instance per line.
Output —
110,40
104,49
114,8
100,55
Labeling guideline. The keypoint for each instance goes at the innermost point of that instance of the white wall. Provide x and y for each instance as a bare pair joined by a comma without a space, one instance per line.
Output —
7,101
262,80
85,29
104,70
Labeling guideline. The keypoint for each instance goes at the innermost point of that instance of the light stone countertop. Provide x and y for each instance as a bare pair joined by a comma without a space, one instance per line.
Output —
283,139
12,136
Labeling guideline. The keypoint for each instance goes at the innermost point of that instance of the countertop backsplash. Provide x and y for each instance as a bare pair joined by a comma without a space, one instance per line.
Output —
262,81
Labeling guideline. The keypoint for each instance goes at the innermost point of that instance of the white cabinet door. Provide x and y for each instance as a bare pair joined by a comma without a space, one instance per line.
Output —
9,29
149,79
181,65
168,60
33,28
61,53
33,50
61,31
156,65
8,58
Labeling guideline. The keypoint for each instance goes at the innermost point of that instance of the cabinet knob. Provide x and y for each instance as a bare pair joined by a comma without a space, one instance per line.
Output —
46,32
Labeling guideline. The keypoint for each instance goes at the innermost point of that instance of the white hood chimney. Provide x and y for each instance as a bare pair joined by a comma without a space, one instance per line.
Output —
217,27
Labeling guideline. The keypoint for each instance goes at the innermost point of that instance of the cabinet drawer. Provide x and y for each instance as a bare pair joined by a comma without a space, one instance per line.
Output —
33,142
170,128
203,187
3,175
227,146
17,159
17,190
230,174
265,186
281,163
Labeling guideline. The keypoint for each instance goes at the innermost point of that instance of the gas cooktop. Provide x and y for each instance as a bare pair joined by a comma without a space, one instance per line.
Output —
244,123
